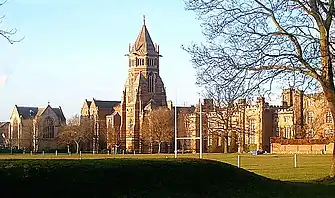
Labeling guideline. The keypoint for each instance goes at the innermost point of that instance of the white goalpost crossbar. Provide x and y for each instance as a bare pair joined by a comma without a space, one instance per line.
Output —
187,138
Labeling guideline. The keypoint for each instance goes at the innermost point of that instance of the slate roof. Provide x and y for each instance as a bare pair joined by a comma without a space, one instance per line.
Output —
2,124
103,104
30,112
60,114
143,43
27,112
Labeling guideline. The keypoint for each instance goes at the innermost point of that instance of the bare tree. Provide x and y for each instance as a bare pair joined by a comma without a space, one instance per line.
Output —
157,127
113,136
7,34
263,42
76,131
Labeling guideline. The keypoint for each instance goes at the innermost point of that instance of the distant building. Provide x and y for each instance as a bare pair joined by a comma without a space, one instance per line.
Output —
144,90
35,128
98,110
4,126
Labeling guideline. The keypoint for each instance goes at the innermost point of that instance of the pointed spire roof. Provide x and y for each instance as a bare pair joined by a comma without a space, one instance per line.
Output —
143,43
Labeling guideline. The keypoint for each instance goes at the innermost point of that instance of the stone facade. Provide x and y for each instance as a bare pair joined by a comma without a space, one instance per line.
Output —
304,116
228,129
144,88
4,126
250,125
35,128
98,111
118,123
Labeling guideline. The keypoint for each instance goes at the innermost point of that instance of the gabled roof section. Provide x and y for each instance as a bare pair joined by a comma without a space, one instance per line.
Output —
27,112
143,43
2,124
59,113
88,102
103,104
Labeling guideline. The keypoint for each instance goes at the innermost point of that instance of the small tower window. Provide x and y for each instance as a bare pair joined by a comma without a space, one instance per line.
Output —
137,62
150,83
155,61
329,117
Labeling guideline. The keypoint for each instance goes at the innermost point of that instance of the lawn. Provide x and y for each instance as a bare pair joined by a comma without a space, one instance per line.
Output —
278,167
130,177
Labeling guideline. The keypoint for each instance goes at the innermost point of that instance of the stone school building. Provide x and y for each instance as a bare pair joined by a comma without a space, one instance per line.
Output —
34,128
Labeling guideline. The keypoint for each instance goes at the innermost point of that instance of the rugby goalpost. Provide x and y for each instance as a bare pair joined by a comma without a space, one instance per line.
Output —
176,138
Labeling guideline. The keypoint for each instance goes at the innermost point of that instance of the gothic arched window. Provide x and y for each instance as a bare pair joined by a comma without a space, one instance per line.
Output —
150,83
15,129
49,128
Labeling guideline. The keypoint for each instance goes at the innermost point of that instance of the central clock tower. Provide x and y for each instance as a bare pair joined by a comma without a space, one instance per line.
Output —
144,88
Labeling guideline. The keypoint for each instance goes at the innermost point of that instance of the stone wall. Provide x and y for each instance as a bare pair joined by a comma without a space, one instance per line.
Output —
326,148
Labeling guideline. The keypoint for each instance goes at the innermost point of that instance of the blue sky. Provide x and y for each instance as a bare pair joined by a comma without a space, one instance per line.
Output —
74,50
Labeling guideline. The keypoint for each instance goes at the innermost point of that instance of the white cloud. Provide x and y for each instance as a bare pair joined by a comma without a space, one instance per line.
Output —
3,80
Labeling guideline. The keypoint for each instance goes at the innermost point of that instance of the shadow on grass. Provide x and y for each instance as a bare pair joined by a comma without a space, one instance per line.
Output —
144,178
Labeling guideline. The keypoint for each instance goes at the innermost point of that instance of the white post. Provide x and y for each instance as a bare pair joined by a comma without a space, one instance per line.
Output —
56,152
107,152
175,130
31,153
200,129
42,152
134,152
295,160
123,152
239,161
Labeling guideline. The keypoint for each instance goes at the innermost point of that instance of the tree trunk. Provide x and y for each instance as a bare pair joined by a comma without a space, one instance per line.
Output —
77,147
330,96
182,146
159,147
151,147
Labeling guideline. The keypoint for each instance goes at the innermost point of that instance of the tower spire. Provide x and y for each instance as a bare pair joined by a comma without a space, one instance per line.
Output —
143,19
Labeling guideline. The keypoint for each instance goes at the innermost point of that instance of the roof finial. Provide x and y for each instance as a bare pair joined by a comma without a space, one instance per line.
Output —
48,103
143,19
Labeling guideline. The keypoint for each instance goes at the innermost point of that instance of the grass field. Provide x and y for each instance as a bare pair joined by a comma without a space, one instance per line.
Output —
278,167
143,178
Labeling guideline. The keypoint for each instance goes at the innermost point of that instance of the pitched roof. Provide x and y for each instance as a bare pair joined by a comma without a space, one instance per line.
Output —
88,102
31,112
143,43
59,113
2,124
106,104
27,112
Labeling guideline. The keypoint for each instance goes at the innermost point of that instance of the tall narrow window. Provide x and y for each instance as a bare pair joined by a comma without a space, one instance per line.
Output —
310,117
15,129
252,131
150,83
49,129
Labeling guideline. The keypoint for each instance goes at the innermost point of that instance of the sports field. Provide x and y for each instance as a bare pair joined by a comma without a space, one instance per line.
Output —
278,167
139,176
